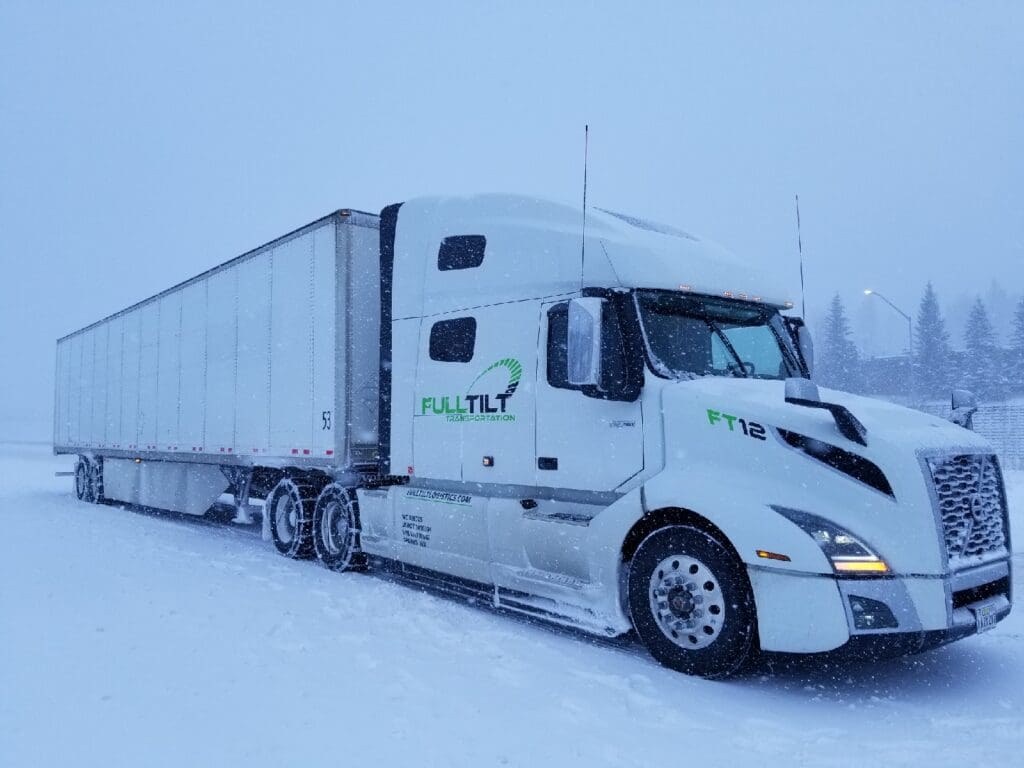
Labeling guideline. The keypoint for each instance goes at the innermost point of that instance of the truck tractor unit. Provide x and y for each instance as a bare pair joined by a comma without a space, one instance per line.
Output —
614,430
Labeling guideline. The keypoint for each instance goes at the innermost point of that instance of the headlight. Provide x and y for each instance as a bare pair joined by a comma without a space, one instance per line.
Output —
848,554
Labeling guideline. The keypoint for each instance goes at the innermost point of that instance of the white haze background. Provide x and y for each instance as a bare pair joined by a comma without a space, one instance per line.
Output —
143,143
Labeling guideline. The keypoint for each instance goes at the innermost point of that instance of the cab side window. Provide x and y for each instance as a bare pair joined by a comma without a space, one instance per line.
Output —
452,341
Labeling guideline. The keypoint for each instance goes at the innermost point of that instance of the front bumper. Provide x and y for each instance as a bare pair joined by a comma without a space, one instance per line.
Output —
805,613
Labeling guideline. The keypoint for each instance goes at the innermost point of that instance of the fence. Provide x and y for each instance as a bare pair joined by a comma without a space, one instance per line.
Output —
1002,425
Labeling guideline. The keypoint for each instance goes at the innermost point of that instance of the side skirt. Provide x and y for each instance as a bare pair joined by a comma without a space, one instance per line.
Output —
500,598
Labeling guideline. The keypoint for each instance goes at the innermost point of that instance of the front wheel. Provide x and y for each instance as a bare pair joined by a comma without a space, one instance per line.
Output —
691,602
336,529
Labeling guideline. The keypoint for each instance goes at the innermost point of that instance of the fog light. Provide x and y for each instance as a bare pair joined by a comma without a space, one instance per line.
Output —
871,614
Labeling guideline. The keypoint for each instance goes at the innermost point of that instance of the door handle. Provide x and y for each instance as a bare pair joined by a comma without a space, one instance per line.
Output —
528,503
547,462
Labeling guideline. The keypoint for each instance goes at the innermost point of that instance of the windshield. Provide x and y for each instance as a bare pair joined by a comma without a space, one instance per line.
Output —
701,336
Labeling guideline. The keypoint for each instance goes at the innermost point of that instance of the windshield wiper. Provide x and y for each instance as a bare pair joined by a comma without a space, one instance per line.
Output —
739,363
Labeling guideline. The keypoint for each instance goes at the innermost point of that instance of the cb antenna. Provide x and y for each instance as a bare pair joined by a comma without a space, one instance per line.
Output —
583,236
800,249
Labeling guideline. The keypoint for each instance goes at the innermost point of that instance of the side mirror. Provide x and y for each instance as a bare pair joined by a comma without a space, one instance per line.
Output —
805,344
964,406
584,341
801,337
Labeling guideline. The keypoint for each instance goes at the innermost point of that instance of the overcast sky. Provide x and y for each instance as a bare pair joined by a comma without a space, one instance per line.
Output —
142,143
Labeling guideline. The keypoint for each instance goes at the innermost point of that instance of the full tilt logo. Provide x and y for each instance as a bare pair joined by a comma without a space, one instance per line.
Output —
483,400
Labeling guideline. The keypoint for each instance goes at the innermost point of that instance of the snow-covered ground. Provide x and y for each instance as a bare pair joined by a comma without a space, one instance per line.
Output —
144,640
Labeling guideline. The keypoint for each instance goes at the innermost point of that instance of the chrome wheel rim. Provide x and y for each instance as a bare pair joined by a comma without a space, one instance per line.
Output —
687,602
286,519
335,527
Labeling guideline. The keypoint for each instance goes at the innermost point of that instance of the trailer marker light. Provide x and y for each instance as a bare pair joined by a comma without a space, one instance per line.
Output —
329,452
295,451
727,294
138,460
772,555
789,305
305,451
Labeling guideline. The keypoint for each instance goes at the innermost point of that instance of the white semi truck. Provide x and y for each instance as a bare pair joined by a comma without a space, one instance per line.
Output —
616,432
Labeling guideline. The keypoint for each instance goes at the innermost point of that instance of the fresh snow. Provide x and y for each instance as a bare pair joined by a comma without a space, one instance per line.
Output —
129,638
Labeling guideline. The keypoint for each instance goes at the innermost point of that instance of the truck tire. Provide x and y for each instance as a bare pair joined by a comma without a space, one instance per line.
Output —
85,489
290,506
691,602
336,529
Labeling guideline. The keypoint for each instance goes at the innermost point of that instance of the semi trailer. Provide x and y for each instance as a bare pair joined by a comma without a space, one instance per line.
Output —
612,427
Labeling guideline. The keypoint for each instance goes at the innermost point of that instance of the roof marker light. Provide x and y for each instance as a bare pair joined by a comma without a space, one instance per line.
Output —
788,304
727,294
685,288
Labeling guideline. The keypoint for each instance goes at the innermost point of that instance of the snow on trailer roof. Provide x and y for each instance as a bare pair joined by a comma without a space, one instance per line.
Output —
356,217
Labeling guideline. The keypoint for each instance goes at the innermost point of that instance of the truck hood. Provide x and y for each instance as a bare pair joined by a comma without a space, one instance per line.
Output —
890,427
722,439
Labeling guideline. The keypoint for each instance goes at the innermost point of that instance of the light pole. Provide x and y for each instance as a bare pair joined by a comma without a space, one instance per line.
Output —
910,340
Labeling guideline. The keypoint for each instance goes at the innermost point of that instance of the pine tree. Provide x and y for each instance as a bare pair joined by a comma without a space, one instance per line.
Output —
931,347
983,373
838,363
1016,355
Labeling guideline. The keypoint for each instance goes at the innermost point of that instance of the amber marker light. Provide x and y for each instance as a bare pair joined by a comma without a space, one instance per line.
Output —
765,554
860,566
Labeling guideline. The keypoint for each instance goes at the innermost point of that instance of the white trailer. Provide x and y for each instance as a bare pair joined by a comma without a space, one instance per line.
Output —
269,360
619,436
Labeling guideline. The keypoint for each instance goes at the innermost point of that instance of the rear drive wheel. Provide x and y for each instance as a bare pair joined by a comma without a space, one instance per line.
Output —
84,490
290,506
691,602
336,529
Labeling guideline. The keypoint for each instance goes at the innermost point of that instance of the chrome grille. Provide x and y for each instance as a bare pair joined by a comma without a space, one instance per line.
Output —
970,497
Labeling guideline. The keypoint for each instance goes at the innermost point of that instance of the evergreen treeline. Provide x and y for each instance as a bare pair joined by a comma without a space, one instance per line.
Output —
990,370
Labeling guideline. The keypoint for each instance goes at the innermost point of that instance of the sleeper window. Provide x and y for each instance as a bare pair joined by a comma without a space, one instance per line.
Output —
461,252
452,341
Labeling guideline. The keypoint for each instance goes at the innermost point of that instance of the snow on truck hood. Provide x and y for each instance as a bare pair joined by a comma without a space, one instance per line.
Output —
892,427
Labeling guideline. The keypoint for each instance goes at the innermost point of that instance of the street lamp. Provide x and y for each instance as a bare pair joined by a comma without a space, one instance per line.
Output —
910,338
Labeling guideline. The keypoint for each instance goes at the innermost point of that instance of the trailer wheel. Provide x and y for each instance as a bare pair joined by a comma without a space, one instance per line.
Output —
691,602
336,529
290,506
84,488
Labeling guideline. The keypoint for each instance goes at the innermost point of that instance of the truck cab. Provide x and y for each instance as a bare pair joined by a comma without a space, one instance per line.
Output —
617,430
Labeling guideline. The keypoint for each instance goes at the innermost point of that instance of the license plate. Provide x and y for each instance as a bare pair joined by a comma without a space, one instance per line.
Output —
985,615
